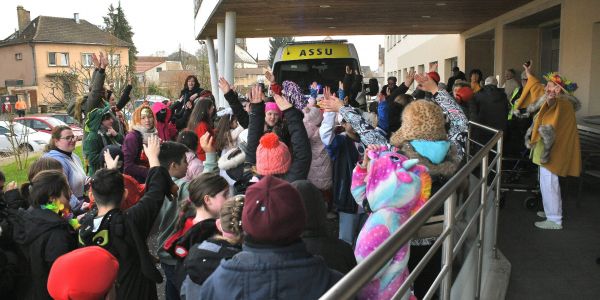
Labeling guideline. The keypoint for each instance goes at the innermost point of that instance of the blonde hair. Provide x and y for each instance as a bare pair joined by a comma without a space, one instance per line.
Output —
231,217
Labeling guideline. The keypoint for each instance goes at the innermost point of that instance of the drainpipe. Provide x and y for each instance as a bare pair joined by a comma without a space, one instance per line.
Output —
38,94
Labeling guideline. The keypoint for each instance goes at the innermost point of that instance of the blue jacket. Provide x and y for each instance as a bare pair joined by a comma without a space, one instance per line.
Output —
289,272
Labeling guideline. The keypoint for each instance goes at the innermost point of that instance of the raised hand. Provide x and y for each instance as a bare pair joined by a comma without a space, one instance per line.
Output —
427,84
103,61
282,103
152,150
433,67
366,158
256,94
330,102
224,85
95,60
206,143
410,78
269,76
111,163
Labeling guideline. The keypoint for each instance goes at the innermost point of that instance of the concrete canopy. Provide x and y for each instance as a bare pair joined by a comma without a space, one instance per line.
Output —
268,18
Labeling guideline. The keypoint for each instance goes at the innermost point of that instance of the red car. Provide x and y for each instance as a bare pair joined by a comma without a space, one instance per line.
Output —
46,123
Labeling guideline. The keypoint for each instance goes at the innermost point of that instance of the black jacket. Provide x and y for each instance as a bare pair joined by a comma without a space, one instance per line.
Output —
489,107
45,237
299,144
344,155
181,114
352,86
238,109
205,257
127,235
338,255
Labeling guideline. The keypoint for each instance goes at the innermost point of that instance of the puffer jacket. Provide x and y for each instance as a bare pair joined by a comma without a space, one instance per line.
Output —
257,272
320,166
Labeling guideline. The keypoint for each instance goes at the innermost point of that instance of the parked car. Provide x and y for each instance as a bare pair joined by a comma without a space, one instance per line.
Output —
151,100
21,137
65,118
46,123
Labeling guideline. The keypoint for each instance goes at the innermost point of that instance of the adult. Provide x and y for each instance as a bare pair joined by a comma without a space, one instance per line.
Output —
489,107
554,141
457,74
60,147
387,89
120,124
135,162
183,107
510,85
20,107
533,89
475,76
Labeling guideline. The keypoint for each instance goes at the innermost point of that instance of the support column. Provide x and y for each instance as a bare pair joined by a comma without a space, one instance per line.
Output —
221,58
229,53
214,75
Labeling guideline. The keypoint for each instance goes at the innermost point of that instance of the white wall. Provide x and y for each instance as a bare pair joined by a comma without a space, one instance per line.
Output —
415,50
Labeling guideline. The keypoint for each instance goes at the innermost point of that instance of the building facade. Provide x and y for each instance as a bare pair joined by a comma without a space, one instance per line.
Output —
49,60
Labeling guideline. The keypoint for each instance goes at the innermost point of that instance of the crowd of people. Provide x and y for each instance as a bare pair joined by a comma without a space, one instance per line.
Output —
239,198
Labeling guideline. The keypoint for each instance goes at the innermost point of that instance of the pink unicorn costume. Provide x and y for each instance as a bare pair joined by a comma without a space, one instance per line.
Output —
395,187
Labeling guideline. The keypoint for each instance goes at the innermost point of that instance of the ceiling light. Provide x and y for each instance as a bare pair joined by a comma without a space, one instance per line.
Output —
328,18
259,29
325,6
414,25
332,27
440,4
426,17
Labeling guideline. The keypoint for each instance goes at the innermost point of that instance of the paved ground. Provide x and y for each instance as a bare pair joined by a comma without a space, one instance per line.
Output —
553,264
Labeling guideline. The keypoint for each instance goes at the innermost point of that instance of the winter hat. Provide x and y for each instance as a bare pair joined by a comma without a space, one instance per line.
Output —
491,80
272,106
160,111
291,91
272,156
69,275
421,120
395,181
137,114
435,76
464,95
273,212
312,115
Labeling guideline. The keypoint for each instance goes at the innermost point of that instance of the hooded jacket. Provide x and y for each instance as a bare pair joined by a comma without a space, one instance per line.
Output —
337,254
165,129
45,237
320,166
265,272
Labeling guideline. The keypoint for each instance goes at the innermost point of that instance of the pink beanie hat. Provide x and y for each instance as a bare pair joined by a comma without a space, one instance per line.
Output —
272,106
272,156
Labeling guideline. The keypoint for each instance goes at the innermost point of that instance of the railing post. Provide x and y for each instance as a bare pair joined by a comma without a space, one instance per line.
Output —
480,235
447,255
497,200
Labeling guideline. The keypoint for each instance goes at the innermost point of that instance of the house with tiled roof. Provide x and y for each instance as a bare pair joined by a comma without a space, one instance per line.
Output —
31,58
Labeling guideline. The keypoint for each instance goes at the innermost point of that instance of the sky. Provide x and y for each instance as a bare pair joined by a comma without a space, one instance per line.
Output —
158,25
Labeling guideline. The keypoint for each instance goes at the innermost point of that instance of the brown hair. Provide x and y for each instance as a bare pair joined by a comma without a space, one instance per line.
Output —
56,132
46,186
231,216
206,184
41,164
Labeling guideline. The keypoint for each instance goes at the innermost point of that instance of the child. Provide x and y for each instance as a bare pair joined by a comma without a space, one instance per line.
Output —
195,166
392,187
124,234
205,257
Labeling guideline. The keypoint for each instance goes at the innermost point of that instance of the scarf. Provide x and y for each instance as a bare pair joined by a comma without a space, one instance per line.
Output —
145,132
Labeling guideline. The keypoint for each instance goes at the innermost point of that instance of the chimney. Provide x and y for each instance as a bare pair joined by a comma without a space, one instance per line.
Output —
76,17
23,17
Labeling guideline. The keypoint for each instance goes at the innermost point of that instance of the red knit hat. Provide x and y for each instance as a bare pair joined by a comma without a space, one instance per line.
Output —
69,277
463,94
273,212
435,76
272,156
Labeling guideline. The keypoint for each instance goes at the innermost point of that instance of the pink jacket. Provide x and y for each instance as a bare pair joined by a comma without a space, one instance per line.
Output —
166,130
320,167
195,166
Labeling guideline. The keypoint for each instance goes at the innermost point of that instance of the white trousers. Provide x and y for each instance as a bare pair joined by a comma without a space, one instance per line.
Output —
550,188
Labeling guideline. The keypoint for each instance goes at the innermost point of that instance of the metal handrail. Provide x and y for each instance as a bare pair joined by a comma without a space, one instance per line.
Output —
358,277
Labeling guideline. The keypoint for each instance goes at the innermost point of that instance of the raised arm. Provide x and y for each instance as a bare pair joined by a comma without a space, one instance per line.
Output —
94,99
125,96
233,101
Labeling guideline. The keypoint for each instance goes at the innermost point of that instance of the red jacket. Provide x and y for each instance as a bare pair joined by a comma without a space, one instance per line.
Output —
135,191
200,130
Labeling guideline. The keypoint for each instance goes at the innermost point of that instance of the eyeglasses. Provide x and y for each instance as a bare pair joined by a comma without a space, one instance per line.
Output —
68,138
